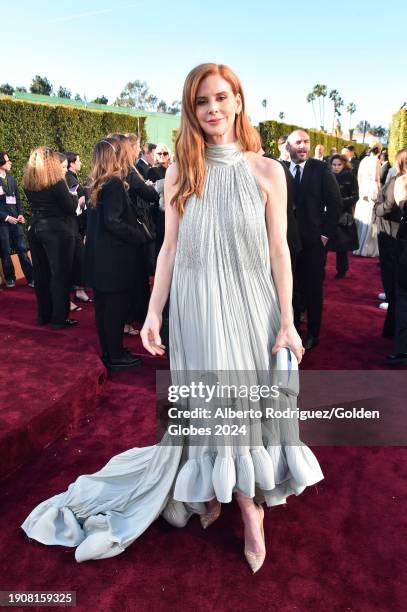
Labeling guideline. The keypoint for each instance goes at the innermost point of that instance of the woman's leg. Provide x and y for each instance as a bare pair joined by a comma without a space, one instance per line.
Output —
251,521
77,270
100,320
42,276
400,336
342,263
59,247
115,311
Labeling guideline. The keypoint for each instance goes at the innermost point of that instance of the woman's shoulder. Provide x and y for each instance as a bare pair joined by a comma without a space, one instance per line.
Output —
266,167
172,174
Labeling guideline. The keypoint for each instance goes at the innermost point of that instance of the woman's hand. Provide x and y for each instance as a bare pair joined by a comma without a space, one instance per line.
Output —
288,337
150,334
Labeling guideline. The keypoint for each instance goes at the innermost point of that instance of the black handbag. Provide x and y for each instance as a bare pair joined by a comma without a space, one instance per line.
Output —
144,219
346,219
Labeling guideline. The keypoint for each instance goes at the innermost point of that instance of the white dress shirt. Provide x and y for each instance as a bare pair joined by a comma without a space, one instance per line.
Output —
293,168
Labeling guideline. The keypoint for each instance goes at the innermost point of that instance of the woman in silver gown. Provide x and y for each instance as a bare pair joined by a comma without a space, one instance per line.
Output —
226,265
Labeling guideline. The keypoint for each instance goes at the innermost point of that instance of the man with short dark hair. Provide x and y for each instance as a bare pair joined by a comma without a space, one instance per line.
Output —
351,155
11,220
317,202
146,161
71,177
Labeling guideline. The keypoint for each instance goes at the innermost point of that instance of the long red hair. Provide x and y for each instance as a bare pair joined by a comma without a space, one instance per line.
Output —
190,142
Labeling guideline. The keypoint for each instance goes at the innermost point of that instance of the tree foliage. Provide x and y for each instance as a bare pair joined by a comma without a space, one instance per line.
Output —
100,100
63,92
7,89
41,85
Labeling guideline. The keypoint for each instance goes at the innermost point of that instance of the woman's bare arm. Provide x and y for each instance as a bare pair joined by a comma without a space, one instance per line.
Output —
272,181
150,334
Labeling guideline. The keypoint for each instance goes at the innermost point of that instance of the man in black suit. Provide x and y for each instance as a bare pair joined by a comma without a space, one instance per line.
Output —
293,237
146,161
317,206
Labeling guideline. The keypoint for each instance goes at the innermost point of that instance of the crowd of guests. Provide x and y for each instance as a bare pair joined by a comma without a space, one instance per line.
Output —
106,234
371,223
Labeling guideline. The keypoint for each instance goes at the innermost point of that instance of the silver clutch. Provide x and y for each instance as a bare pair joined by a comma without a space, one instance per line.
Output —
287,372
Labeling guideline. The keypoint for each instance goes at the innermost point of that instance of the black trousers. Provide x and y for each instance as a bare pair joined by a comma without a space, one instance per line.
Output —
387,256
78,261
342,262
12,236
52,255
388,266
308,286
400,335
111,310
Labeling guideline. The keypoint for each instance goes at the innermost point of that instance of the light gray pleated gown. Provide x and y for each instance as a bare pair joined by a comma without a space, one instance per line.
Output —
224,316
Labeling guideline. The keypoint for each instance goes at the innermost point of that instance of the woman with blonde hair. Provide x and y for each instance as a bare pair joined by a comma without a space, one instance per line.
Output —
161,163
226,262
51,236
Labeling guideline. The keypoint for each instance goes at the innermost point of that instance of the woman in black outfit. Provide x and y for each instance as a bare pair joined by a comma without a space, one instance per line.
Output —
398,294
156,174
112,242
51,236
346,238
143,197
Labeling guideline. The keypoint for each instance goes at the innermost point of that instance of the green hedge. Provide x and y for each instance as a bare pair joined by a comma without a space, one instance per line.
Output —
25,126
271,131
398,133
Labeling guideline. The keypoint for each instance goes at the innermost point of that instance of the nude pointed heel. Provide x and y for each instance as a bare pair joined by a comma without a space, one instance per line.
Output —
210,517
254,560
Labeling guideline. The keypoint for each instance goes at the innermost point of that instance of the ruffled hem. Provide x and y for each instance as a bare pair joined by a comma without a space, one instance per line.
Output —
275,472
103,513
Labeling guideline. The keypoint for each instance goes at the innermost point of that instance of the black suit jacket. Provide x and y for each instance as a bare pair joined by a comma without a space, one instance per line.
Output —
318,203
143,168
112,240
293,236
9,188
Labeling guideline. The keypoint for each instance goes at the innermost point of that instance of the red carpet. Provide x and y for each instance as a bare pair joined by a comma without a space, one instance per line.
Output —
339,546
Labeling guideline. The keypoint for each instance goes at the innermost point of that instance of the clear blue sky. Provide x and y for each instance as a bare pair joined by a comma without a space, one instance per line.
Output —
280,49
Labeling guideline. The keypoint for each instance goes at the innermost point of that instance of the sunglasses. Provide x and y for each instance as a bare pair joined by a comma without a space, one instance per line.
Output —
165,153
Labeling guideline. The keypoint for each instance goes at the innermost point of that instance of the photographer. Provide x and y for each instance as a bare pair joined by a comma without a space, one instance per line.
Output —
11,221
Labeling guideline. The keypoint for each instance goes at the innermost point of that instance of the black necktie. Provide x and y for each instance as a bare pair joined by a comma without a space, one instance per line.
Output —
297,182
297,178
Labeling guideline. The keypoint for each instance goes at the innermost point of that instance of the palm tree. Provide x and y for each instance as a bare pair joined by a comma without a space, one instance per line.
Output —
319,92
363,126
264,105
311,100
337,104
350,109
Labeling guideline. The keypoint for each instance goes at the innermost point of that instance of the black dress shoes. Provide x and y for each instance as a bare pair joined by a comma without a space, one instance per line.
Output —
66,323
310,342
399,359
127,360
